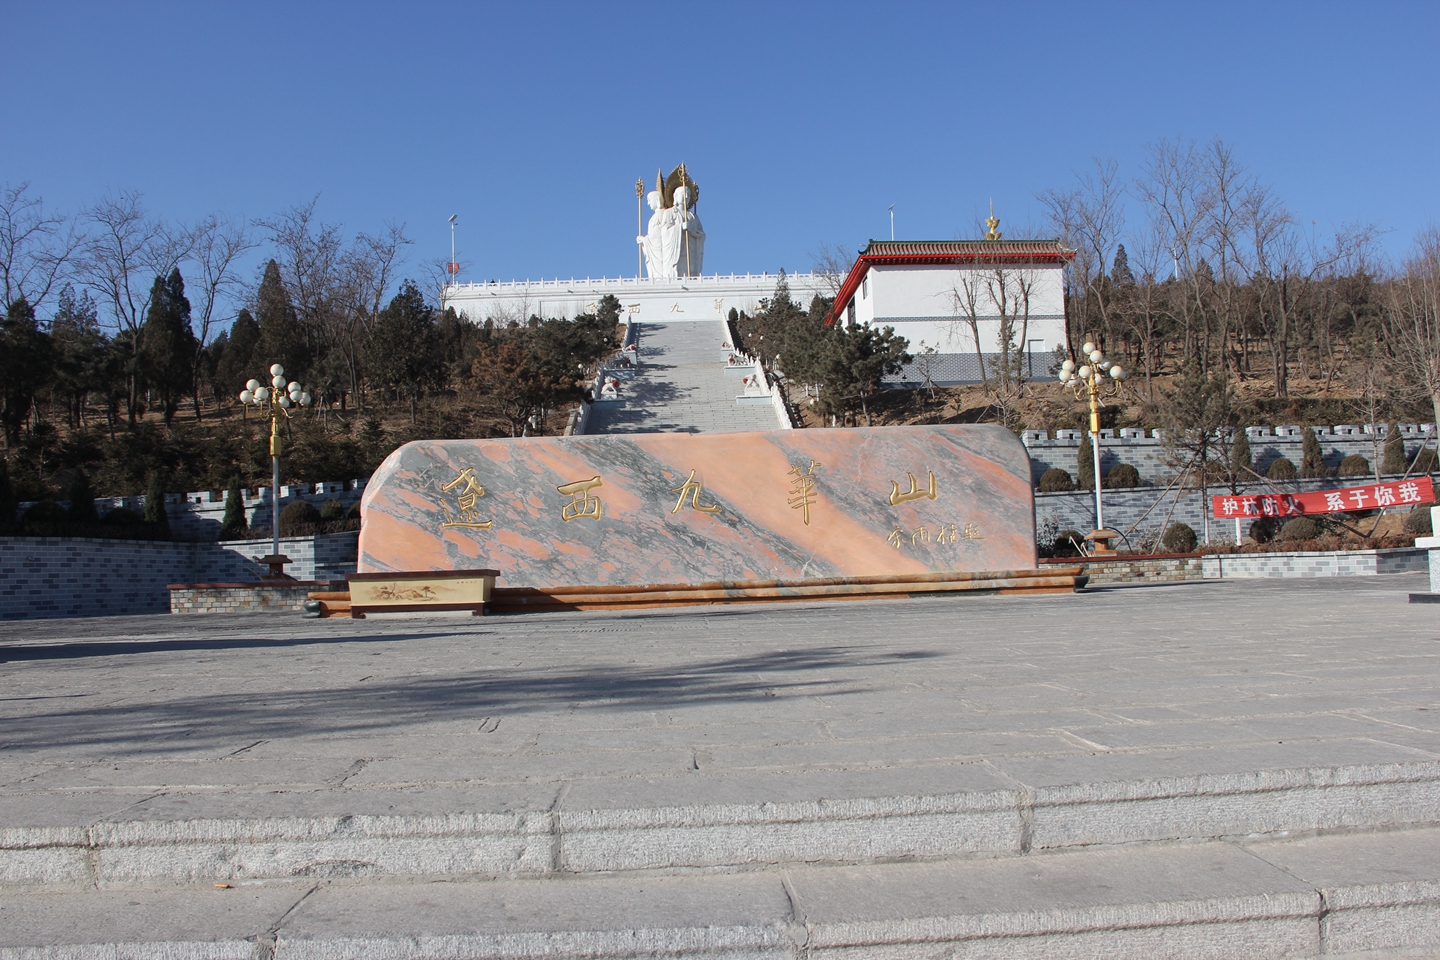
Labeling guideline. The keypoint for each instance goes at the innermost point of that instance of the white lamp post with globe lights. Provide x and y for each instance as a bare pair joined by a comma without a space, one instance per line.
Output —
1090,379
280,397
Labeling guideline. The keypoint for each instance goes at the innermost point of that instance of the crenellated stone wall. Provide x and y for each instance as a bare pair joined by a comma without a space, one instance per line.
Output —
1145,450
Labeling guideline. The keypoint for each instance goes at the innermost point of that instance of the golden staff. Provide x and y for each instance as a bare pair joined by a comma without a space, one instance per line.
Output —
639,226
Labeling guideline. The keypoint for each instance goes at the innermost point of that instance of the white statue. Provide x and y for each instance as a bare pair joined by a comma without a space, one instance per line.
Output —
674,242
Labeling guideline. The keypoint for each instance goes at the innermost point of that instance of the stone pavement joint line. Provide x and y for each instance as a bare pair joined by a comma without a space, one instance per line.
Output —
681,387
1214,769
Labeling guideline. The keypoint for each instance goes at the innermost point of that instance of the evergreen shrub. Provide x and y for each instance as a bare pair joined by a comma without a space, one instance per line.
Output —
1180,538
82,500
122,517
1282,468
298,514
1264,530
1354,465
1312,458
1067,543
233,526
1394,461
333,510
45,518
1085,465
1417,521
1121,476
1301,528
1056,480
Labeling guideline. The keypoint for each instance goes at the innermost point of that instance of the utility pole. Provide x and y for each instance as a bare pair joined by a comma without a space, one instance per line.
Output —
892,221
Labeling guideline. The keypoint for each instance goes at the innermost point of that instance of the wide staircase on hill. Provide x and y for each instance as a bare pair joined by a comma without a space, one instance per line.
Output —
681,385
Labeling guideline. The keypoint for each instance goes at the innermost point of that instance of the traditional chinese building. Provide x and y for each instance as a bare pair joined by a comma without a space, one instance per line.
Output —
963,305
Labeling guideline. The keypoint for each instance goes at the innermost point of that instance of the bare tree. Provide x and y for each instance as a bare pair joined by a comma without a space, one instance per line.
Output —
1089,218
216,249
337,288
126,250
1411,320
831,264
36,248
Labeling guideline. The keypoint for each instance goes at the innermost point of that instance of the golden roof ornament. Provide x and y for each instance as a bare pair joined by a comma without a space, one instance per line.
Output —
992,224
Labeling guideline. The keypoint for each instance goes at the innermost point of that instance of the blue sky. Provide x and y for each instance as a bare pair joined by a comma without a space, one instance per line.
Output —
802,123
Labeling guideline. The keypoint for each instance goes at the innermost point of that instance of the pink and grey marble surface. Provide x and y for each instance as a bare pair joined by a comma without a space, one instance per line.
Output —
680,508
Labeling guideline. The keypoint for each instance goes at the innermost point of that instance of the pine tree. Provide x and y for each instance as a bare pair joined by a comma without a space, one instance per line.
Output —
1120,274
238,362
155,513
27,363
1395,461
1312,459
1085,464
234,523
281,339
167,344
82,500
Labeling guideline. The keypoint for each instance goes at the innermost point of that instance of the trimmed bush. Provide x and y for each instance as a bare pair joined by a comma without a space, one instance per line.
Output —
297,514
1354,465
1056,480
354,512
1312,458
1085,464
1122,475
1264,529
1394,461
122,517
1067,543
1301,528
1180,538
1424,461
45,518
1417,521
233,526
1283,468
82,500
155,515
333,510
1241,460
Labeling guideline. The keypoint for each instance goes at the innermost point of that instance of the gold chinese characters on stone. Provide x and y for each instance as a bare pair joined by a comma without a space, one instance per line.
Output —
802,489
692,488
466,512
582,505
915,493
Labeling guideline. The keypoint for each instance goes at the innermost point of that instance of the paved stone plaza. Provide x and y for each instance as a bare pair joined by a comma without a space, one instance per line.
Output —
1236,768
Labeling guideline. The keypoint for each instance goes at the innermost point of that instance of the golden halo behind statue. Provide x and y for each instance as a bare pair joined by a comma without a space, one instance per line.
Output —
678,176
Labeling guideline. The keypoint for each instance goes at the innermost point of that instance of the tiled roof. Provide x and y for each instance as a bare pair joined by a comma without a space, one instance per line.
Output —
967,249
941,252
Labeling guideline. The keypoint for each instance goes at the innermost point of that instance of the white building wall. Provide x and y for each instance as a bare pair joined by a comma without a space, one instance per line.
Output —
642,300
920,303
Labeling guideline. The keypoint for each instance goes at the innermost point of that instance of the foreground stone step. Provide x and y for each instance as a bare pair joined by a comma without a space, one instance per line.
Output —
598,826
1335,895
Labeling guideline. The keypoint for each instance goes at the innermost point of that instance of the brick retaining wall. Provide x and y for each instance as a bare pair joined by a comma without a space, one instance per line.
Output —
49,577
1317,563
284,597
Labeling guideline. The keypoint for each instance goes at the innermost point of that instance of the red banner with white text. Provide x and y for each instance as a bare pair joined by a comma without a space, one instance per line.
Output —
1369,497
